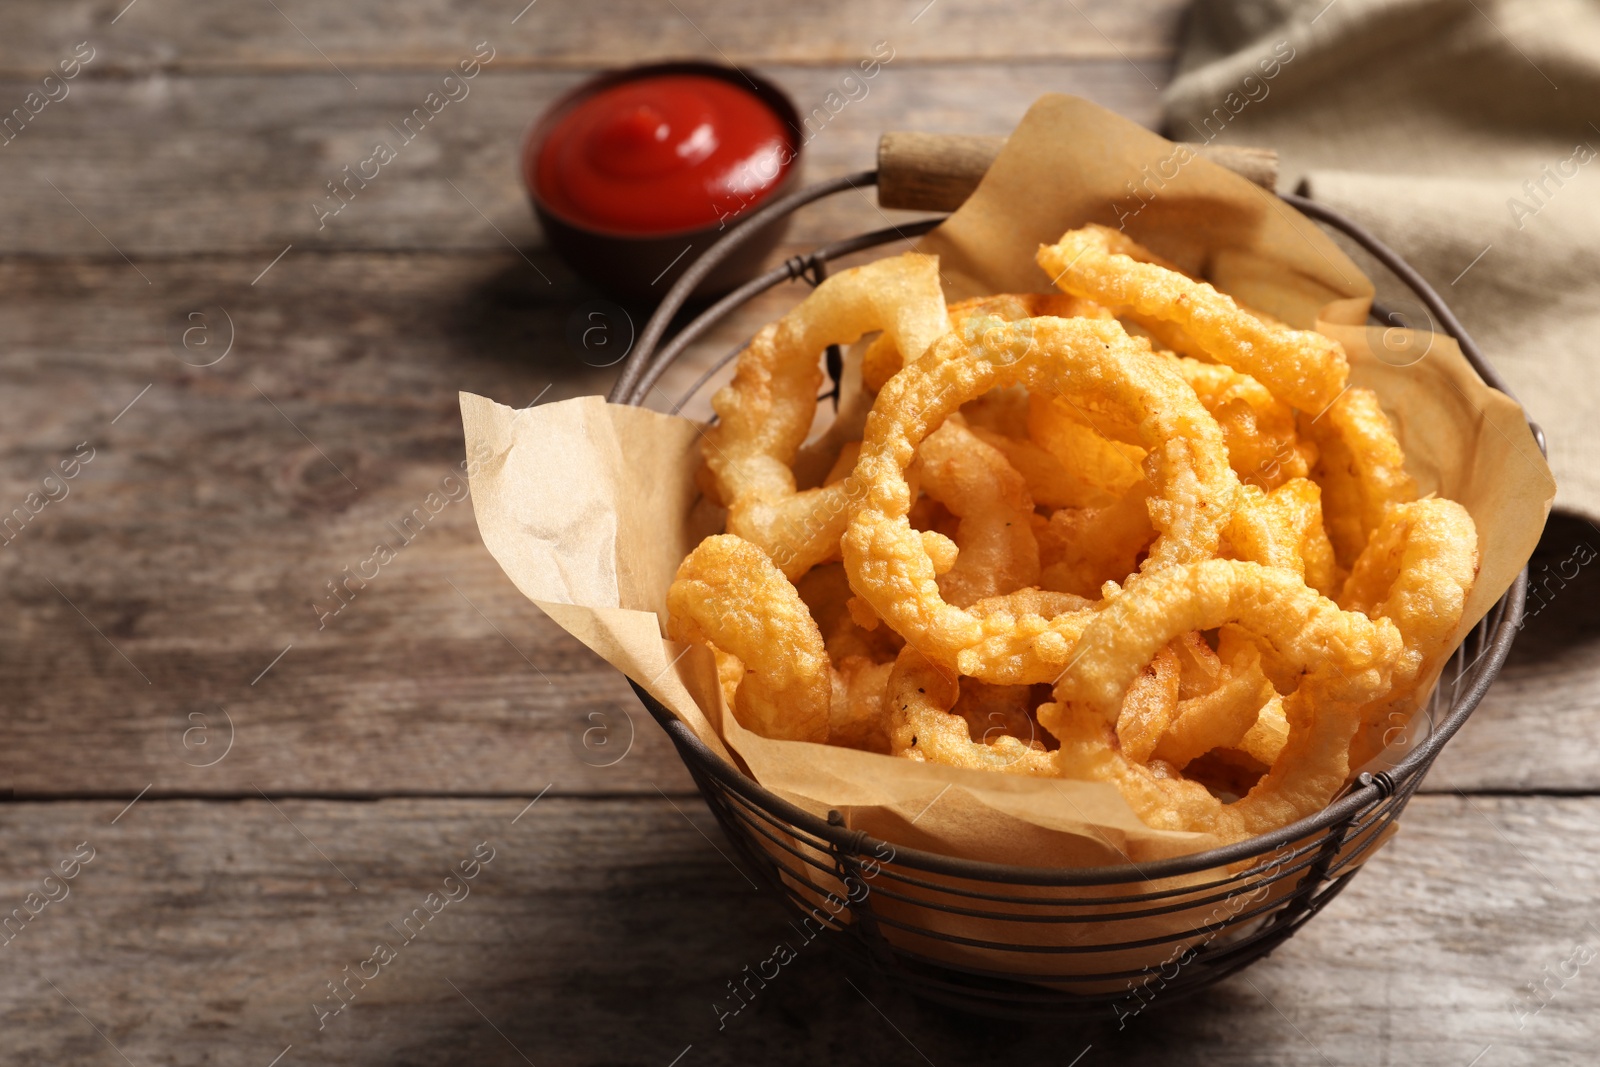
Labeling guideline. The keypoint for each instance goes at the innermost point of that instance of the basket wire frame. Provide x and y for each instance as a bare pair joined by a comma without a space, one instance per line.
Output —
1077,943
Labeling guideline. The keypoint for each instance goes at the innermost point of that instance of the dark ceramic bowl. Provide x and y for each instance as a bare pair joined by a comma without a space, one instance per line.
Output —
642,267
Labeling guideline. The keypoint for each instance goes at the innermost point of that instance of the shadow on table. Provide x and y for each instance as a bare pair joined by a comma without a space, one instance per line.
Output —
1563,608
654,966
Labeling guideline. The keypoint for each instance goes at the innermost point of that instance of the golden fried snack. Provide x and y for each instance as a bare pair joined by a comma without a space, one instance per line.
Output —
1284,528
856,716
1199,668
881,362
765,412
1265,740
1304,629
1221,717
919,697
1304,368
884,357
1068,553
1088,751
1091,359
1109,468
1149,707
1049,483
1361,470
991,711
1416,571
1343,658
826,593
1008,609
729,595
1083,548
1259,428
996,548
1002,418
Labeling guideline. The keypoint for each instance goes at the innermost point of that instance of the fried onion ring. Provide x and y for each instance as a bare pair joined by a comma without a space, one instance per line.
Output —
1149,707
996,549
1304,368
728,594
919,697
766,411
1284,528
1258,427
1416,571
1361,470
1221,717
1343,658
1092,360
884,357
1083,548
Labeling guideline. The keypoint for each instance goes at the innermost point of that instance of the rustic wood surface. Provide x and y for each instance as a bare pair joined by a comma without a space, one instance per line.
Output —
604,930
161,621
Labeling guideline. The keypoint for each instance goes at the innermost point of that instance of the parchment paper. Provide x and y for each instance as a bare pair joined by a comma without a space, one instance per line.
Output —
589,507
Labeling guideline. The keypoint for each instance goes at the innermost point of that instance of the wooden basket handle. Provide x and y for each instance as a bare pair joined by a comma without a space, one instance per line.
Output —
938,171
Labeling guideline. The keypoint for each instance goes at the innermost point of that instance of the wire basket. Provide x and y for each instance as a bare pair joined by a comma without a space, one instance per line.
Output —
1030,942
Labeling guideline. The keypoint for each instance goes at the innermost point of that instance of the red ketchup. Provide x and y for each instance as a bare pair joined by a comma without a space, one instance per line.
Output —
663,154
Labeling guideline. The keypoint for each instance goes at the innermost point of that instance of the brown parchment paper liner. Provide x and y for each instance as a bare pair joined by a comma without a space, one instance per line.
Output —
589,507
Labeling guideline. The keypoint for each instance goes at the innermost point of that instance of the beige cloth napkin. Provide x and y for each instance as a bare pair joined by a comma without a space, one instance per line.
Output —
1466,135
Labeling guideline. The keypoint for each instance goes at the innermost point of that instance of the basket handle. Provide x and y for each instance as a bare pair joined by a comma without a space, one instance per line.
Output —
938,171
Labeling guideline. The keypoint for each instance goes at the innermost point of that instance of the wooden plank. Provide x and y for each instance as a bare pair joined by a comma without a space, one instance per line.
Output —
167,35
1540,724
245,163
197,544
604,931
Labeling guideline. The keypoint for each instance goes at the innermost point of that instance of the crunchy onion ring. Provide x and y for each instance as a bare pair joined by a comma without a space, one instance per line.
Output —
1221,717
1361,469
997,551
1417,571
1149,707
1344,658
1344,652
1093,359
1083,548
1259,428
1284,528
919,697
766,411
1101,264
728,594
883,359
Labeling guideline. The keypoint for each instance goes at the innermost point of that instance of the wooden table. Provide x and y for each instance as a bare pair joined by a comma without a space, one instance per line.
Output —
251,794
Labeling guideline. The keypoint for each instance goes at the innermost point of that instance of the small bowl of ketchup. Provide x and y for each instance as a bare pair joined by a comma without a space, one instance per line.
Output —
634,173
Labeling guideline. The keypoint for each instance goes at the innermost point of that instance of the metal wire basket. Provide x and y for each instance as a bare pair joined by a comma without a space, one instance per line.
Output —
1028,942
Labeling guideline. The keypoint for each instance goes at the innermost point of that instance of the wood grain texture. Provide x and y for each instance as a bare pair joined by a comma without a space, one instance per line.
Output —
160,620
166,166
602,931
169,35
1539,727
200,541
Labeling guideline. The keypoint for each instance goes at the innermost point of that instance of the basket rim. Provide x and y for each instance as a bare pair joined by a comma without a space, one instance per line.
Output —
1503,618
